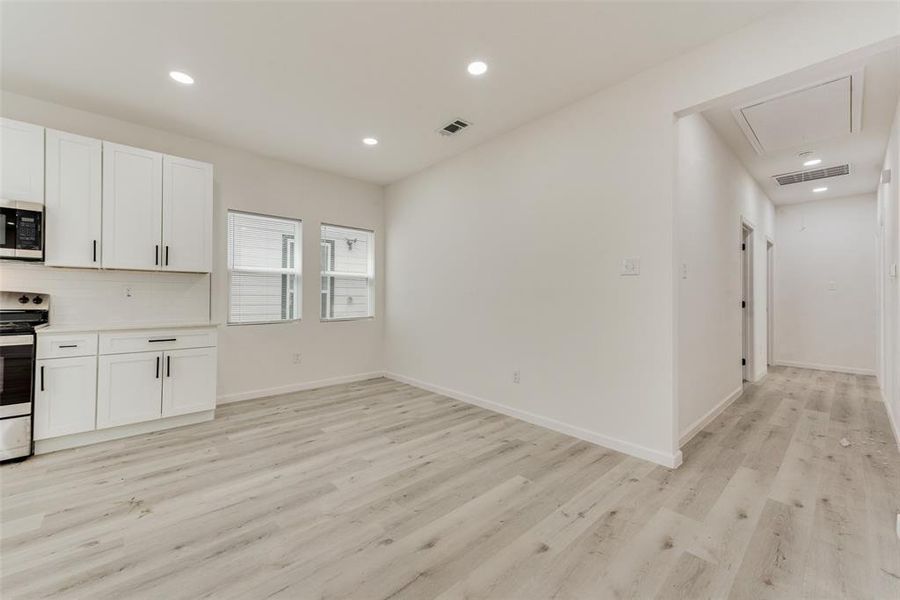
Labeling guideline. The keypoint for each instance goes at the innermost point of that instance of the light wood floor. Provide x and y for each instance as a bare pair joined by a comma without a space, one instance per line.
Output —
380,490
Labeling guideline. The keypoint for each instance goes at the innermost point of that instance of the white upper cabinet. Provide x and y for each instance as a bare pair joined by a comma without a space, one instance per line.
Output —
109,205
21,161
132,207
72,228
187,215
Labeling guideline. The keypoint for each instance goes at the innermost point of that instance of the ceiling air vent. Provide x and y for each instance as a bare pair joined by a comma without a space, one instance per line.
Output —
453,127
812,174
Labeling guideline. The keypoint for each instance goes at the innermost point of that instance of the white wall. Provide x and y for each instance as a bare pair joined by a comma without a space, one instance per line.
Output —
506,257
715,192
825,298
253,359
889,287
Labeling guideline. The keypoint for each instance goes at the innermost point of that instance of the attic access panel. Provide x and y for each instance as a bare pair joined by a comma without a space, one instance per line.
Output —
801,118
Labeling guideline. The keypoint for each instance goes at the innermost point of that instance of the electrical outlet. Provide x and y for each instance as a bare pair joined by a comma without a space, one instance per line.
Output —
129,291
517,376
297,358
630,266
684,270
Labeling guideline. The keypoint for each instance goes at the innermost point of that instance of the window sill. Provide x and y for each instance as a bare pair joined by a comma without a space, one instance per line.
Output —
279,322
344,319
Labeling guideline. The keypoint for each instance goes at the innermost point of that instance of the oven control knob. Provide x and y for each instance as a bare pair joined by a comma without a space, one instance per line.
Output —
23,299
37,300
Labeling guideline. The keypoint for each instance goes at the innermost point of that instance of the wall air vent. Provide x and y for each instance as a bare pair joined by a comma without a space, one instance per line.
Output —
453,127
812,174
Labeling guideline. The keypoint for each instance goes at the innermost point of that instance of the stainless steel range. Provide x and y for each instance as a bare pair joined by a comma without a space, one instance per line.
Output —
20,313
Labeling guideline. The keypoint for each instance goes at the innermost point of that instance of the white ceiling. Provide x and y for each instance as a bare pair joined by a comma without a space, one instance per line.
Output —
305,82
863,150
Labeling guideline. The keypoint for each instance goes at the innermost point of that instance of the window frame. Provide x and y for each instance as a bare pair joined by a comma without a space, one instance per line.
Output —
369,276
298,272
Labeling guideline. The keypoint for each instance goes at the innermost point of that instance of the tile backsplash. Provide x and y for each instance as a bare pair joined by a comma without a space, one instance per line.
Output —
98,297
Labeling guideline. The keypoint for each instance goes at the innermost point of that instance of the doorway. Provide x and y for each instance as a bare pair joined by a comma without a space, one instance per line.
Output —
747,300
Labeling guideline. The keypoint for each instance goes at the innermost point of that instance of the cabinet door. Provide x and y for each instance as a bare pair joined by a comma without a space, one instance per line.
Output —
129,388
21,161
72,219
65,397
132,208
189,383
187,215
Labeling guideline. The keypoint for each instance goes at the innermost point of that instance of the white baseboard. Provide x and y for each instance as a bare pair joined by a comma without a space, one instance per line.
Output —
816,367
296,387
710,416
667,460
895,423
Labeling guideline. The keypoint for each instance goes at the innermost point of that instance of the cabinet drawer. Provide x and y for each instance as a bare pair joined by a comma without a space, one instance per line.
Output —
151,340
65,345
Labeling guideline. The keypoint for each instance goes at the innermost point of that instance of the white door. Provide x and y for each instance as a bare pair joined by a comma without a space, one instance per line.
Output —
129,388
189,383
132,208
21,161
65,396
187,215
72,218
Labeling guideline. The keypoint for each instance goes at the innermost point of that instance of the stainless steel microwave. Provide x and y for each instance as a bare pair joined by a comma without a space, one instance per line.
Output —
22,234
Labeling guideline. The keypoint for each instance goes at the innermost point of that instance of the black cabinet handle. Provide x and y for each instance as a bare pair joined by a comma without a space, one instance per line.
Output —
69,346
156,260
157,367
168,366
95,250
163,340
167,256
42,378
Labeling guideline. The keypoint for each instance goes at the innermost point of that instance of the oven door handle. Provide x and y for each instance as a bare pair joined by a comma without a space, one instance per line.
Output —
17,340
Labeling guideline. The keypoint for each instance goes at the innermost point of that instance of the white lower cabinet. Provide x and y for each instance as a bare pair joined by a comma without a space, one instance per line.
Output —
129,388
189,384
65,396
121,378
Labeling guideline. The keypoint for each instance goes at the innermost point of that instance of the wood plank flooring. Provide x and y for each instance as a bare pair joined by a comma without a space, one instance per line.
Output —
379,490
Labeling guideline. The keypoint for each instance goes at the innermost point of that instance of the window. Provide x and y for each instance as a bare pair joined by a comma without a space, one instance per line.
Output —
264,268
348,270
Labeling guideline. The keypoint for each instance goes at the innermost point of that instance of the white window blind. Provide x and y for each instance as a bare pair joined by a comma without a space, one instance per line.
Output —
348,272
264,268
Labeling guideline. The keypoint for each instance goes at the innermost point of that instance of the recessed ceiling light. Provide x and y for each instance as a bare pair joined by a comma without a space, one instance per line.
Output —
181,77
812,162
820,189
370,141
477,68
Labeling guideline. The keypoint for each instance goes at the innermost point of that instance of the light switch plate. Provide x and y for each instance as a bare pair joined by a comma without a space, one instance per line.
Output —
630,266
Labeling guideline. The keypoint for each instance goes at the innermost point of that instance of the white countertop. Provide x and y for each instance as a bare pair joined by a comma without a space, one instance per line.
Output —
121,327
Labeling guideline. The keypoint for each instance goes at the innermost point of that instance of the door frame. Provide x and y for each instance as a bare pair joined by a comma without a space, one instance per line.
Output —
770,301
746,298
